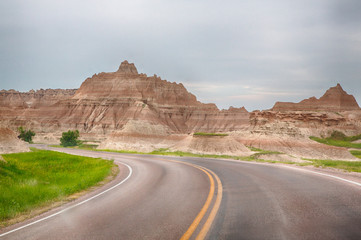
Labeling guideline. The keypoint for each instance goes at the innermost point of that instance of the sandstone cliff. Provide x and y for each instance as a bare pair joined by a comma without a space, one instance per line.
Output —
116,105
106,102
335,99
10,143
130,110
33,99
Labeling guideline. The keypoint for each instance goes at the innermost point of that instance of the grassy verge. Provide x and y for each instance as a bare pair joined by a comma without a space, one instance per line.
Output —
210,134
256,157
39,178
344,165
81,146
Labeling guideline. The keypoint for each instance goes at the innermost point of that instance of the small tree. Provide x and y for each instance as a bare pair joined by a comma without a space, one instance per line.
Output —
26,135
70,138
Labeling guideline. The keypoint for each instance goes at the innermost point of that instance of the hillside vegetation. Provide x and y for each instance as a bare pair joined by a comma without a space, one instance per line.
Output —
339,139
210,134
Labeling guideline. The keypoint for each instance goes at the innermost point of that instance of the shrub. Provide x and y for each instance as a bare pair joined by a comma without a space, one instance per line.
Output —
26,135
210,134
70,138
337,135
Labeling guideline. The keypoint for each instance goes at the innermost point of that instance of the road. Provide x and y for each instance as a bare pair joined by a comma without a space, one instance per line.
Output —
194,198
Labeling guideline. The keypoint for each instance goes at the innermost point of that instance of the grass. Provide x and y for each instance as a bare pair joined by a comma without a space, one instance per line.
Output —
253,149
81,146
345,165
356,153
337,143
210,134
39,178
339,139
257,157
165,152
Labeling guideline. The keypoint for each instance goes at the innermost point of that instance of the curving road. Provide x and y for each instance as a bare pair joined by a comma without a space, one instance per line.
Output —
157,197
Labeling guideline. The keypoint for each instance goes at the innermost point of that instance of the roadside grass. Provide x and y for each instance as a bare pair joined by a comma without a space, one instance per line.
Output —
39,178
345,165
166,152
93,147
256,157
210,134
80,146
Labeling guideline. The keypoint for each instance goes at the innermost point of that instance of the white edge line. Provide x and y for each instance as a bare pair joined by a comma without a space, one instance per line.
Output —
289,167
66,209
325,174
294,168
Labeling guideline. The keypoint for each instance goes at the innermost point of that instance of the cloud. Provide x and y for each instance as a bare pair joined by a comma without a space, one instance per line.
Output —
289,49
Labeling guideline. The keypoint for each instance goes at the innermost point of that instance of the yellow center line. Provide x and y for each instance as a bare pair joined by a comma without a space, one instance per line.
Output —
204,209
201,235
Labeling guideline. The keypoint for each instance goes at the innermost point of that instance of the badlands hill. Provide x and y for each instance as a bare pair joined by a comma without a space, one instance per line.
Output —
115,106
130,110
10,143
287,126
33,99
335,99
119,100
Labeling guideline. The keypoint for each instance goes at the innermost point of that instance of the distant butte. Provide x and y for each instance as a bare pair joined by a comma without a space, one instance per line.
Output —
127,110
335,99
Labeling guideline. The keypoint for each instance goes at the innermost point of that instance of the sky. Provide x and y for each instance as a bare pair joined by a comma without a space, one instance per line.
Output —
231,53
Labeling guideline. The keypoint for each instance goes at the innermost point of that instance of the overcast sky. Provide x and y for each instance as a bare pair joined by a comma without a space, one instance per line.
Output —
232,53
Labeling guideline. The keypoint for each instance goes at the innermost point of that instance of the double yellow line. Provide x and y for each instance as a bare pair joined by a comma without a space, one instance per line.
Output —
213,212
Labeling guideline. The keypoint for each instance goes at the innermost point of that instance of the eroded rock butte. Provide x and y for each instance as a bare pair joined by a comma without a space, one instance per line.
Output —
128,110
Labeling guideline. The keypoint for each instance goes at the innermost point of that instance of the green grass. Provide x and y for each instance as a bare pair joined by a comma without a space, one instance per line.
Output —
39,178
253,149
256,157
339,139
165,152
337,143
210,134
356,153
345,165
81,146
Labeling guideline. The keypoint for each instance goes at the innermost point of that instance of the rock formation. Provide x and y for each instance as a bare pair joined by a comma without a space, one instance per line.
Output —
117,104
128,110
106,102
218,145
335,99
33,99
10,143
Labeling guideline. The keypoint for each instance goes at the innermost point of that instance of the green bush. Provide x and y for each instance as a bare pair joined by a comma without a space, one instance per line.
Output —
337,135
70,138
210,134
26,135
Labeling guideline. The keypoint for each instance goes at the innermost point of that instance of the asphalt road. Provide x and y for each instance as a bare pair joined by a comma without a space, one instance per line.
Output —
170,198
